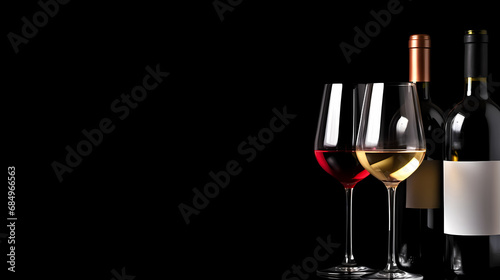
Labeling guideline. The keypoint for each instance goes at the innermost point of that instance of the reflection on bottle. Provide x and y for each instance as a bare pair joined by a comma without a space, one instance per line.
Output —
405,259
456,257
495,251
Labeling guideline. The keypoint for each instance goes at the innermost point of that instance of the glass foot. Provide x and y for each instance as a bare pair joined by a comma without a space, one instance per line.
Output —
344,272
393,275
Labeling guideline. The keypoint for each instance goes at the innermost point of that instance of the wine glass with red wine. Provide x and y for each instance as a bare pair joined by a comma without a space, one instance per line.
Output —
335,150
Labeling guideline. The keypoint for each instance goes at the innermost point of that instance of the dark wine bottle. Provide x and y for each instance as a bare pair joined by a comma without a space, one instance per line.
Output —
421,242
472,173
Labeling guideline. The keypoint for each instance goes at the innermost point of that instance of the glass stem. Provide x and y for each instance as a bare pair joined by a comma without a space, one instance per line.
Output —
391,265
349,258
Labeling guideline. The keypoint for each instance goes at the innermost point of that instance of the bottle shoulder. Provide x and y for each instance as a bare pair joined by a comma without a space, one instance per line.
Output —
472,132
431,112
429,105
471,107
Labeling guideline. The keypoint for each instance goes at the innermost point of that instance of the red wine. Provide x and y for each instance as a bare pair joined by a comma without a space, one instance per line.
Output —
342,165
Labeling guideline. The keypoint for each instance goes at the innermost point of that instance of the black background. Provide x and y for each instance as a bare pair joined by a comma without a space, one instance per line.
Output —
119,207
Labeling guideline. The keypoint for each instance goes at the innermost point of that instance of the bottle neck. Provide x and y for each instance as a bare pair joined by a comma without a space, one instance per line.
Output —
420,65
477,87
423,90
476,60
476,64
420,53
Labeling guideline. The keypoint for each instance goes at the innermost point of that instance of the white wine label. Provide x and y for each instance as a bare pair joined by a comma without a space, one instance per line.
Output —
424,185
472,197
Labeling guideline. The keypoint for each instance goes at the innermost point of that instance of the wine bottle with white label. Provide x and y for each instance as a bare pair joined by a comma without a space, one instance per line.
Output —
421,244
472,172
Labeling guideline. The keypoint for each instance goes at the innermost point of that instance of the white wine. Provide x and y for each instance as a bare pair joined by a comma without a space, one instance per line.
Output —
391,165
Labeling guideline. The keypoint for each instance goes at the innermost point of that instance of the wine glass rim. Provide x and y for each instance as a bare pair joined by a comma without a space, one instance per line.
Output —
367,83
346,83
395,83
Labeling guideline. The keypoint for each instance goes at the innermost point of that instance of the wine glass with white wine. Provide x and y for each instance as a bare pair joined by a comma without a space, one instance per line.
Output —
391,146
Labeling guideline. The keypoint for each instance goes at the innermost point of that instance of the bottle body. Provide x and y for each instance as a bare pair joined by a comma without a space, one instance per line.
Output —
471,168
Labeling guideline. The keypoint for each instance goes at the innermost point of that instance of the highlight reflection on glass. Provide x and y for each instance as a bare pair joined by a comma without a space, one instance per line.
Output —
333,118
373,126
